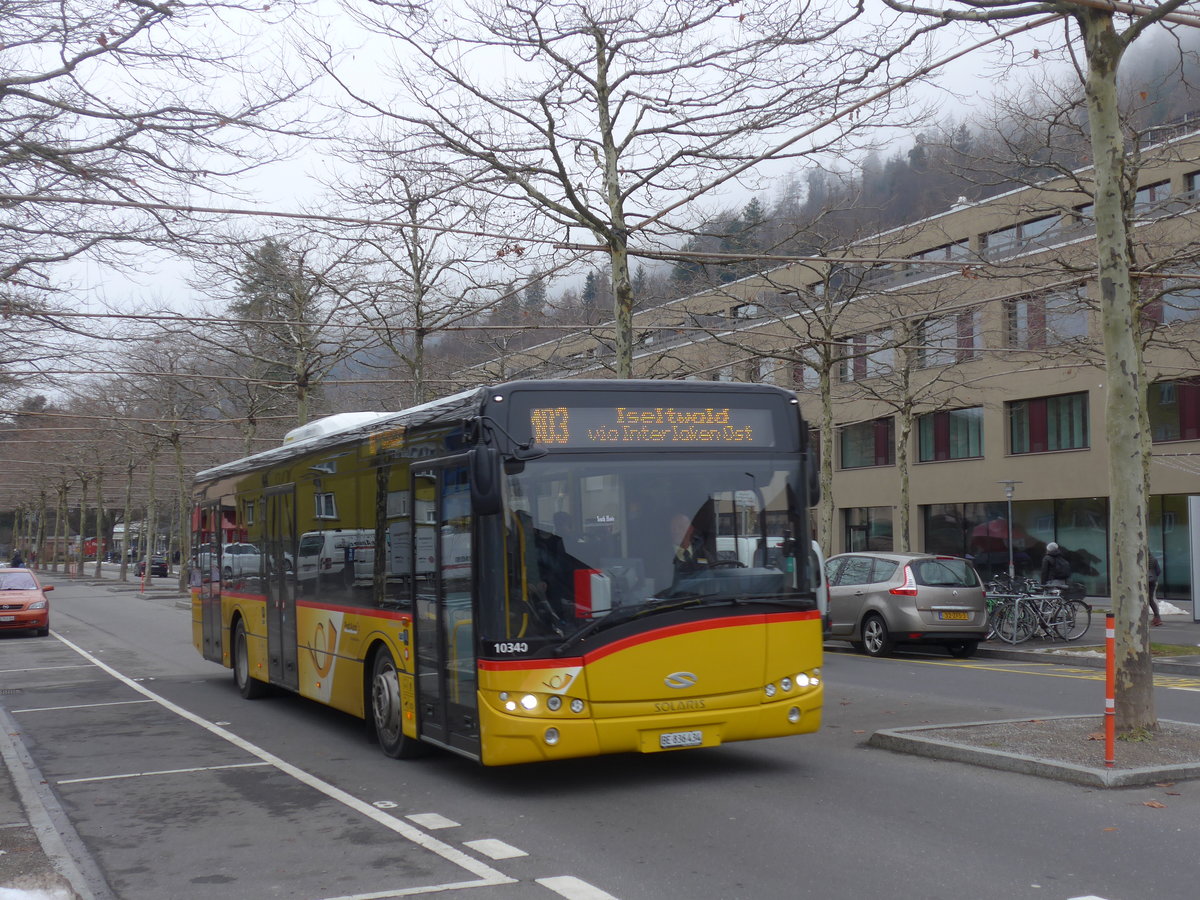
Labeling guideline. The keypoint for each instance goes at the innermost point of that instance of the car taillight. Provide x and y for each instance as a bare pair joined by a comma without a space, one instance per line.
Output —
909,588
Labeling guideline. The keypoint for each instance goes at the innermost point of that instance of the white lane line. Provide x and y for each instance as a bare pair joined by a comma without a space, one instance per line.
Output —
79,706
495,849
43,668
574,888
486,873
161,772
418,891
432,821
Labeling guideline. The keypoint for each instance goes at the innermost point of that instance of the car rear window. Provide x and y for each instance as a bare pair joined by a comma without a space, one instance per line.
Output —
944,573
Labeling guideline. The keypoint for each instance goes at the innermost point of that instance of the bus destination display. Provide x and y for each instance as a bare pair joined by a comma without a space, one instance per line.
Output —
651,426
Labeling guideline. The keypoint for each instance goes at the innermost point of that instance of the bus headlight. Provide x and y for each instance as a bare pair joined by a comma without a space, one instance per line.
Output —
529,702
802,680
551,736
554,703
794,715
576,705
785,683
771,689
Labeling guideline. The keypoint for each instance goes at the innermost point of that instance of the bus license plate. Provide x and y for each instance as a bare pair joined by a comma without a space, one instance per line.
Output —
680,739
955,616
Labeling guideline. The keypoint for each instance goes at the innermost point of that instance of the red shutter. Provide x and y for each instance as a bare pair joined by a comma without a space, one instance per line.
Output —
1038,441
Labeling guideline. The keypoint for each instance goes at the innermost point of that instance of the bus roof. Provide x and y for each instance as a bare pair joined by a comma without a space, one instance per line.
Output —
347,427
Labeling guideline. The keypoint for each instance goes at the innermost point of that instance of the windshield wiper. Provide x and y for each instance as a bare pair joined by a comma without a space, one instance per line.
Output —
628,614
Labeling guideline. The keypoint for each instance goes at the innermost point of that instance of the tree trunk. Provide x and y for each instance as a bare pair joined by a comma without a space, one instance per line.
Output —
128,544
60,530
1125,390
100,542
81,555
184,525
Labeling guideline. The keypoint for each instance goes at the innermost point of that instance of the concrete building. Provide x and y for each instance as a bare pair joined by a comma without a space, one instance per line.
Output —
956,357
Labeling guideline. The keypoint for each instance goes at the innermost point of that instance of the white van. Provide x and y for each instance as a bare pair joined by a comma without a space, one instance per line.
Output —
345,557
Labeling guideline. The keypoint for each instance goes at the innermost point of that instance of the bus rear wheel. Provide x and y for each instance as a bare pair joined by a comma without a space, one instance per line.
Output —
248,686
387,710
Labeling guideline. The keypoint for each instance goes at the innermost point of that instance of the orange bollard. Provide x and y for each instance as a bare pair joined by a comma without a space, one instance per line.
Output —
1110,692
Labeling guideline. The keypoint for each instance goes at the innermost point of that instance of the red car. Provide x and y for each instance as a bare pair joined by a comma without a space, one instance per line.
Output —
23,602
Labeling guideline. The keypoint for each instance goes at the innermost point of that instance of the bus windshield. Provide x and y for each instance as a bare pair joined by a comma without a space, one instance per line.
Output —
590,541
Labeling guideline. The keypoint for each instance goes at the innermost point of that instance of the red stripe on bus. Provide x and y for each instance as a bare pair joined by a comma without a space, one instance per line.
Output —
356,610
512,665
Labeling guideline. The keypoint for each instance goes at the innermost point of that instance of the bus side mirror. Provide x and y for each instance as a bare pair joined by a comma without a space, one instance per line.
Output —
484,463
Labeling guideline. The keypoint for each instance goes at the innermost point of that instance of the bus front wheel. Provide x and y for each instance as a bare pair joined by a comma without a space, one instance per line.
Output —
387,710
248,686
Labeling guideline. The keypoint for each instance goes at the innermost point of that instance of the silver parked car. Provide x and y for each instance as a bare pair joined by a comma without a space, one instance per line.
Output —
878,600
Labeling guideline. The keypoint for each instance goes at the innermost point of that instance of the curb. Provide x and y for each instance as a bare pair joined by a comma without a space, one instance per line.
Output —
910,741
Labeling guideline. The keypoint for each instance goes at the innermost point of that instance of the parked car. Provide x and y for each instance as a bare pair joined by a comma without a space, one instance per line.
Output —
158,567
878,600
23,602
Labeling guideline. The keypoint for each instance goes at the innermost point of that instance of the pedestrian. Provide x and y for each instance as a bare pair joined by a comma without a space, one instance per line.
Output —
1056,568
1153,570
16,562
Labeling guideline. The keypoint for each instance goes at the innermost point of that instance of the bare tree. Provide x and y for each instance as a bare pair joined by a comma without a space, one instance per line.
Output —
289,323
1101,46
116,102
612,117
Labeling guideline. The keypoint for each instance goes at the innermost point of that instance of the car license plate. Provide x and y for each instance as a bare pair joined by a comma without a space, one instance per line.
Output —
8,618
955,616
680,739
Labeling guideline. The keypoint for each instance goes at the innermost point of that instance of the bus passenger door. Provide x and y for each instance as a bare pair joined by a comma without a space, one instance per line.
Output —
277,574
445,625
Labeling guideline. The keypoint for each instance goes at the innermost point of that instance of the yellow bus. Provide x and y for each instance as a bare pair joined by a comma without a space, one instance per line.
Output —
526,572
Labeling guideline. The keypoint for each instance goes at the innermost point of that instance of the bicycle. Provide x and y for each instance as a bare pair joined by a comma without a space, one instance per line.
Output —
1019,617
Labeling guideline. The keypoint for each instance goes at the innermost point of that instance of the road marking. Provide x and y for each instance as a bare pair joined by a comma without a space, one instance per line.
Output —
574,888
79,706
486,874
43,668
432,821
1057,670
161,772
495,849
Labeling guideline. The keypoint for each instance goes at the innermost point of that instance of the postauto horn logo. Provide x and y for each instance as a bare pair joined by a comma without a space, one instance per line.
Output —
680,680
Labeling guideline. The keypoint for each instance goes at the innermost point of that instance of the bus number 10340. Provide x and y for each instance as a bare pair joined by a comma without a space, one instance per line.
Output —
511,647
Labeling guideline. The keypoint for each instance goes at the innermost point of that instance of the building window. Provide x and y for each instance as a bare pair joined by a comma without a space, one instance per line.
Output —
248,512
869,444
1179,305
1174,410
947,340
953,434
1018,237
957,250
1046,320
326,505
868,356
1150,197
1046,424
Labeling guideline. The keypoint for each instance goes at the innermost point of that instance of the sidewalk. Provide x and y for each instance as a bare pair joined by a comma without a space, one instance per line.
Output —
1177,629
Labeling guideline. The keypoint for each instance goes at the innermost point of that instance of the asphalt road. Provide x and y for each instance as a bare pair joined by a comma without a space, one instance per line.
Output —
166,784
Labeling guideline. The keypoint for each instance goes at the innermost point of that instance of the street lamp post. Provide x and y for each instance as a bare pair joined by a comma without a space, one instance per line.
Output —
1009,487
